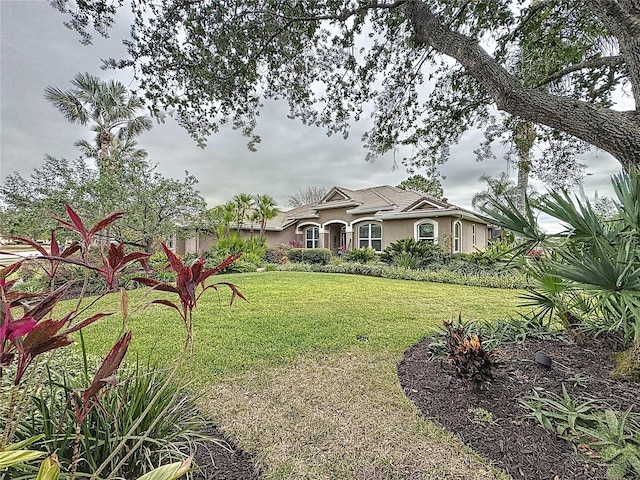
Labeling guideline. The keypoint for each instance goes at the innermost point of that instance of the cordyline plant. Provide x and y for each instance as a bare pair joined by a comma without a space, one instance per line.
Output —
28,329
188,278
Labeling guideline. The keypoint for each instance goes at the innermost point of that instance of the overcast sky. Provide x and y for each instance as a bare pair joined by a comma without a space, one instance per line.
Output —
37,50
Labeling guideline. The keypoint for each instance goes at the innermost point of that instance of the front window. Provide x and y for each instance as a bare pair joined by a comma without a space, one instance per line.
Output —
426,232
312,237
473,234
457,233
370,235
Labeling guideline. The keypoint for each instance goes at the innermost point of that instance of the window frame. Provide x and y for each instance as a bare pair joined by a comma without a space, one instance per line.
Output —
457,236
416,231
370,239
315,237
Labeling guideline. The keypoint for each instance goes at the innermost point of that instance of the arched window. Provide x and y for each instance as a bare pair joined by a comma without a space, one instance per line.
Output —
370,235
427,231
457,237
312,237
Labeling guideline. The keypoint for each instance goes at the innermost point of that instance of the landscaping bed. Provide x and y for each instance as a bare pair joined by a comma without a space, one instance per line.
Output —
223,462
492,422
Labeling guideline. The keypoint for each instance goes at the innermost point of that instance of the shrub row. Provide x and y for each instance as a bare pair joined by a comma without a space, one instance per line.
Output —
511,280
313,256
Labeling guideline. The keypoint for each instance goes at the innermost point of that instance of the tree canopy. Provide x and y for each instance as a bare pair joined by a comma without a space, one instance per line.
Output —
500,190
124,180
419,183
333,60
308,195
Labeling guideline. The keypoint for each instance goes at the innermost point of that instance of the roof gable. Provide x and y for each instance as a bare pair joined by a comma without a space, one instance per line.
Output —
423,205
335,195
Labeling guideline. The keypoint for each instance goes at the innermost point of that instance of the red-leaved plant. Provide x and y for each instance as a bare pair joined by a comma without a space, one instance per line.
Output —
467,356
34,331
188,278
50,268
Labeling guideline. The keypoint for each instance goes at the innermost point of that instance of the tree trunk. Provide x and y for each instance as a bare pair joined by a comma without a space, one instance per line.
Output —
524,137
524,167
613,131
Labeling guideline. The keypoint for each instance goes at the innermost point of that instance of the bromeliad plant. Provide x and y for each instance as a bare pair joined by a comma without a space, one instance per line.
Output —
467,356
30,328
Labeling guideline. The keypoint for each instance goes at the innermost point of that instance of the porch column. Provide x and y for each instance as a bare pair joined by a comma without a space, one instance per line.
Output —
322,235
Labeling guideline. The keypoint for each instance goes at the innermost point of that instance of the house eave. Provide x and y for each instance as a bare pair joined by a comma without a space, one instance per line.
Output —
340,204
381,208
432,214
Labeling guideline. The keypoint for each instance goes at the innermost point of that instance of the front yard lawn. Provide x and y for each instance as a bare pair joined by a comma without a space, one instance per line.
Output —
292,313
303,374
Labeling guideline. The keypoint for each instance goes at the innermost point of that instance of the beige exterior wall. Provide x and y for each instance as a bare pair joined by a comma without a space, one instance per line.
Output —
331,221
277,238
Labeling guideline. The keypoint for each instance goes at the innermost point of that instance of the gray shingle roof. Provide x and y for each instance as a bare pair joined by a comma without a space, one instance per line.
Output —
385,202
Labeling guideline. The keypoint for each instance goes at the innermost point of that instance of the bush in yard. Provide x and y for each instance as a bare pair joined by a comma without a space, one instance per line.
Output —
278,254
589,274
313,256
361,255
252,251
466,354
32,327
423,253
509,279
167,430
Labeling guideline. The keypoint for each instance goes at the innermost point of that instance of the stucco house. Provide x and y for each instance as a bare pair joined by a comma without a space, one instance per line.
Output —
372,217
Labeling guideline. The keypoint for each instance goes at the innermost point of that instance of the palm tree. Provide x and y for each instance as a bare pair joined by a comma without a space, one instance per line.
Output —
253,218
266,209
524,136
108,107
243,202
499,189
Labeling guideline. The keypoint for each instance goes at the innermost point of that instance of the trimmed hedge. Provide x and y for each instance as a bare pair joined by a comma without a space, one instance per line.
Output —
313,256
514,280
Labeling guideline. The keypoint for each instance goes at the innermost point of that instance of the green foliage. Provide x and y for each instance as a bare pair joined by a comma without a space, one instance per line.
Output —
500,189
627,364
509,279
590,274
147,405
612,435
418,183
159,265
560,414
313,256
498,332
278,254
252,251
88,428
406,260
124,179
307,57
361,255
467,356
422,252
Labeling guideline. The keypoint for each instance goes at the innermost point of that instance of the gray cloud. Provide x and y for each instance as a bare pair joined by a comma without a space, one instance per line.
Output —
38,51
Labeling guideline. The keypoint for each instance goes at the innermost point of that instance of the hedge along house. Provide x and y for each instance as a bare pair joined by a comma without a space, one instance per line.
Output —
371,217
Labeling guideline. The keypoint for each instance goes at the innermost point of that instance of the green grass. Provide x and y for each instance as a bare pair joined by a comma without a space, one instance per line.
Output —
289,314
303,374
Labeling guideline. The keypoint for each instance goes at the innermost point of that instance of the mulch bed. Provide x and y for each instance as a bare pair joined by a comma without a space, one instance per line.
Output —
513,443
216,462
